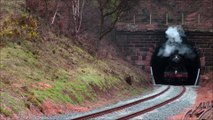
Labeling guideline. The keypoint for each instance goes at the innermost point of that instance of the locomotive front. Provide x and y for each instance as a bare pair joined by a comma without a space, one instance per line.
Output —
175,62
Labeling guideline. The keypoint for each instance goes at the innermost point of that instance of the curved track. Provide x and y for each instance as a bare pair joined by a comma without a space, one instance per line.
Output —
153,107
100,113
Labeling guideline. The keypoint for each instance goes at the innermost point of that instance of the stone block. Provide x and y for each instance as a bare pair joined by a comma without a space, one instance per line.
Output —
147,68
128,58
139,46
139,62
148,58
202,61
134,58
140,57
147,63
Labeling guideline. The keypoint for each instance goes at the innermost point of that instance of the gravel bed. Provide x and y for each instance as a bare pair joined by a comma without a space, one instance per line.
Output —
173,91
173,108
156,90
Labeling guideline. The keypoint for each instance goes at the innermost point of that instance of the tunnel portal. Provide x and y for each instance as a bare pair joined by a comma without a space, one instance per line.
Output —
175,69
140,48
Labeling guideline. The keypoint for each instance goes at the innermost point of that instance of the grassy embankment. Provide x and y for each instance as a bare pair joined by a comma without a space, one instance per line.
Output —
35,67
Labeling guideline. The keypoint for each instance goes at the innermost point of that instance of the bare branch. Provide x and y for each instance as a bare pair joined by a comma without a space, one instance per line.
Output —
110,28
107,11
56,11
81,16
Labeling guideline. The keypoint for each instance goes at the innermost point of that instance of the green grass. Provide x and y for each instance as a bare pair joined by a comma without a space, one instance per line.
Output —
64,92
5,111
20,63
12,5
81,81
96,74
81,86
11,102
74,75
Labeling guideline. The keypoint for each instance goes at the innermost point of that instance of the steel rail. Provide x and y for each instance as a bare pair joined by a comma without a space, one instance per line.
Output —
196,109
187,115
100,113
207,113
153,107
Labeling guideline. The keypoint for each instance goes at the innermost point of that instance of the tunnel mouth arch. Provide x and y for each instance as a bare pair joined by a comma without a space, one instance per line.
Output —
175,69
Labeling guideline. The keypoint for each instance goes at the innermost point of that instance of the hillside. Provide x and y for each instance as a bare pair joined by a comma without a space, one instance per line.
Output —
43,73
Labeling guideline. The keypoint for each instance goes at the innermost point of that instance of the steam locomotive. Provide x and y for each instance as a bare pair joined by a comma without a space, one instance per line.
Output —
176,71
179,67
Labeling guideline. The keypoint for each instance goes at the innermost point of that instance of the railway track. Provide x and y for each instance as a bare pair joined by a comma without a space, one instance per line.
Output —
132,115
100,113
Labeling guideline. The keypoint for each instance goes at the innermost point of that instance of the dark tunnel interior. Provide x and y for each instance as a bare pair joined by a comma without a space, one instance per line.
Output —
175,69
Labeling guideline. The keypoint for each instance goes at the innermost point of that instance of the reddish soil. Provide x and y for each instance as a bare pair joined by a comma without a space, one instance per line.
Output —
50,108
204,93
41,86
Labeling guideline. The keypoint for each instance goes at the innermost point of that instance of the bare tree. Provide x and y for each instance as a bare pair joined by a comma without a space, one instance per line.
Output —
56,11
0,8
110,12
77,14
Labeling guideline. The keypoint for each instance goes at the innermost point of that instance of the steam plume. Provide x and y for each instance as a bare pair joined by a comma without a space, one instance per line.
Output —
174,43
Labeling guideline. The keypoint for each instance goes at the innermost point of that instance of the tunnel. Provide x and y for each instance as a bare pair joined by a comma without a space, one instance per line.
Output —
176,68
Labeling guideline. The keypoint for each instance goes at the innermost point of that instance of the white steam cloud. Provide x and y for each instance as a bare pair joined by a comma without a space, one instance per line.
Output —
173,35
174,43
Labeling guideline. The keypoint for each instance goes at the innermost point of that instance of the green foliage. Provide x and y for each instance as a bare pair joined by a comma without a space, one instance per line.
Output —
95,75
31,99
11,6
65,92
18,27
79,82
10,102
61,75
74,75
20,63
5,111
87,81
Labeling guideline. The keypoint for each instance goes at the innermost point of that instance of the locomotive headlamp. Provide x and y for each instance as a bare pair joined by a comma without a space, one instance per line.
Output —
176,59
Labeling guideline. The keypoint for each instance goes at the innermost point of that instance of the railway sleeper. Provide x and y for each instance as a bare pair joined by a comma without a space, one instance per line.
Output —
210,117
206,115
207,104
200,110
187,114
212,103
204,105
194,111
197,114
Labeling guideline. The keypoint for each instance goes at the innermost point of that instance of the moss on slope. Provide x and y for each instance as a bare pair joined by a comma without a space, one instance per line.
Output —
40,67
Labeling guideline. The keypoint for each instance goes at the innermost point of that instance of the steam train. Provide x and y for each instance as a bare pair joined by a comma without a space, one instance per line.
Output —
176,72
178,68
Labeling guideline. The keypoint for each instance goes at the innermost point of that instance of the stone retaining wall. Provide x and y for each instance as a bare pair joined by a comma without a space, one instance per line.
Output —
137,47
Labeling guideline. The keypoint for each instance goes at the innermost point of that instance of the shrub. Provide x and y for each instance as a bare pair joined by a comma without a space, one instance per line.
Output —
19,27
